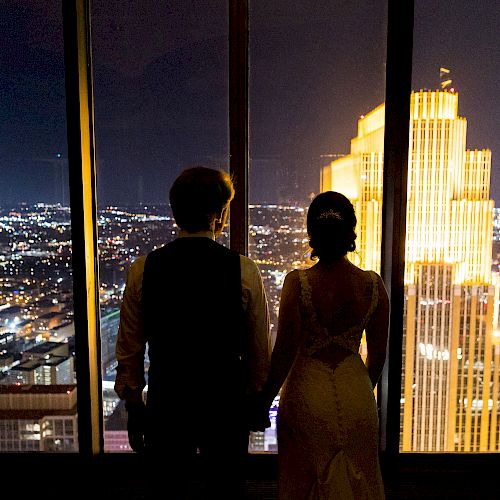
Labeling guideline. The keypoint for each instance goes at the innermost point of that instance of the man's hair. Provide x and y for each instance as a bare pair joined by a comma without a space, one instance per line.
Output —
198,196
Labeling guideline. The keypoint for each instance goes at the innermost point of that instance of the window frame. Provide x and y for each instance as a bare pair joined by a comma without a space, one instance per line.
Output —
78,61
394,193
81,154
83,206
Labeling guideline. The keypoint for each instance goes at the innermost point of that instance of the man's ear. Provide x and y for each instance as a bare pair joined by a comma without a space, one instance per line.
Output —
221,215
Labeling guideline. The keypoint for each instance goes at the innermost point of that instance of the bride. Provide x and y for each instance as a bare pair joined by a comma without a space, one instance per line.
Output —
327,420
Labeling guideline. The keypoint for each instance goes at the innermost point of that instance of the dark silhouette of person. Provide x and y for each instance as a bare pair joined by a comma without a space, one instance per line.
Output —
201,311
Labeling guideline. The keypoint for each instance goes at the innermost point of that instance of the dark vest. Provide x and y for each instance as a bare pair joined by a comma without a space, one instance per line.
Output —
193,319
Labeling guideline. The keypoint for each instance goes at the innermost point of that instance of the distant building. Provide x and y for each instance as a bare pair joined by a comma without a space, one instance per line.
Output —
43,350
451,353
51,371
45,363
109,332
6,361
496,224
62,332
38,418
7,340
27,373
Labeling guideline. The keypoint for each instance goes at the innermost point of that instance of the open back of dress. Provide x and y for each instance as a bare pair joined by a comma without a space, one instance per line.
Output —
327,420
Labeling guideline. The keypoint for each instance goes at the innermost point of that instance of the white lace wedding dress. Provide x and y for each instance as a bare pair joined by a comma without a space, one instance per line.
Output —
327,420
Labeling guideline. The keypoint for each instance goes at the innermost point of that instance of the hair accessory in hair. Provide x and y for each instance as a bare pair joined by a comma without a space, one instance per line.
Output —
330,214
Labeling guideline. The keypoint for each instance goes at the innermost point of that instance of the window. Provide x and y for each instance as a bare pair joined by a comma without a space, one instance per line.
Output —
450,398
314,68
161,105
37,331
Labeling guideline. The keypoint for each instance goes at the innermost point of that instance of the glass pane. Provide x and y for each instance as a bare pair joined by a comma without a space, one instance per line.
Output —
314,67
37,376
161,71
451,355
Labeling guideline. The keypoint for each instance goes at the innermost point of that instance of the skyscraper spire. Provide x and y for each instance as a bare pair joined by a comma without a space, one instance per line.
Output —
444,77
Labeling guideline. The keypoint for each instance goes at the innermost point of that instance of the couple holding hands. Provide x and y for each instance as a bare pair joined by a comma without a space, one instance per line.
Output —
202,312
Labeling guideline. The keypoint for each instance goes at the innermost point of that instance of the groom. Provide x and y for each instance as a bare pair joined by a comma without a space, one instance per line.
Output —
202,312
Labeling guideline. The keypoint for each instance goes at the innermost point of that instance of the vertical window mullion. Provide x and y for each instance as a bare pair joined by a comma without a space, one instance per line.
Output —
81,159
396,142
238,122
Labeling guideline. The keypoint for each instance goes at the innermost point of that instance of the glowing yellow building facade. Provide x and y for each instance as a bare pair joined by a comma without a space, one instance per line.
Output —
451,357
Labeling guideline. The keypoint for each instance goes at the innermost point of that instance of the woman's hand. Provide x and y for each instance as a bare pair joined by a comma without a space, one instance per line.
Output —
257,412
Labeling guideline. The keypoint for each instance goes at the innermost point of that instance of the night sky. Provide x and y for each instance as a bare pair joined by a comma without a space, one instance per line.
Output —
160,71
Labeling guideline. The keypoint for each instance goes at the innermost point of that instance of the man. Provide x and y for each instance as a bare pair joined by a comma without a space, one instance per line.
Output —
201,309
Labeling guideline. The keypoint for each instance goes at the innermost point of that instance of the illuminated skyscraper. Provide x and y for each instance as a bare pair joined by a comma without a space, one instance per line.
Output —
451,350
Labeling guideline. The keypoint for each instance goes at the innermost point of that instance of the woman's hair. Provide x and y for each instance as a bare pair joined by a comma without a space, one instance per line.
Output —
330,226
198,196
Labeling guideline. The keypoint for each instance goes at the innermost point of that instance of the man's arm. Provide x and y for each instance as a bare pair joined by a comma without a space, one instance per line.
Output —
130,350
131,340
283,354
258,325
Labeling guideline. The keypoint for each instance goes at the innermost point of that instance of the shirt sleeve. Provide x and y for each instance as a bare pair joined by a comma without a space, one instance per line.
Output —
131,340
256,310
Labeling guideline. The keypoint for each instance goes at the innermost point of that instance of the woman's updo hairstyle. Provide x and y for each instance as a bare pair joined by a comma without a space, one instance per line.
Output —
330,226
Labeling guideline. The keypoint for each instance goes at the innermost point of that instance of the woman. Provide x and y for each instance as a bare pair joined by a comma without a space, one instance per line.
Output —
327,420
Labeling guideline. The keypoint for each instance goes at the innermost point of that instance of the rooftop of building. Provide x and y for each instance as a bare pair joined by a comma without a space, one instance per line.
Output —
37,389
50,315
6,335
45,347
56,360
35,414
12,310
27,366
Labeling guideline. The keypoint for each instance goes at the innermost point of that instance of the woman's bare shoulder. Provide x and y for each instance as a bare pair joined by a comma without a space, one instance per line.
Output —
292,279
368,275
383,297
380,282
292,275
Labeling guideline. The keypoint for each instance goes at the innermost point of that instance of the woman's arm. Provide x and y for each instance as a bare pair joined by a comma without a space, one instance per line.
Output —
287,339
377,331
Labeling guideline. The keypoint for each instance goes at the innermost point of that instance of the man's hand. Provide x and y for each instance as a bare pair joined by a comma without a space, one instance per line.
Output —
136,425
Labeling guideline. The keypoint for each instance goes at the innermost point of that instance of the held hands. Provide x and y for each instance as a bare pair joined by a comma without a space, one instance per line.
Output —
136,425
257,411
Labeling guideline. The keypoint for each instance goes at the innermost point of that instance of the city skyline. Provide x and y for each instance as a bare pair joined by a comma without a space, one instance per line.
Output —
161,91
36,311
37,332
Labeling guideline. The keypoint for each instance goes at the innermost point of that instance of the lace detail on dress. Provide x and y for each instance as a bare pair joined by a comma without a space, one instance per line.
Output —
318,337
